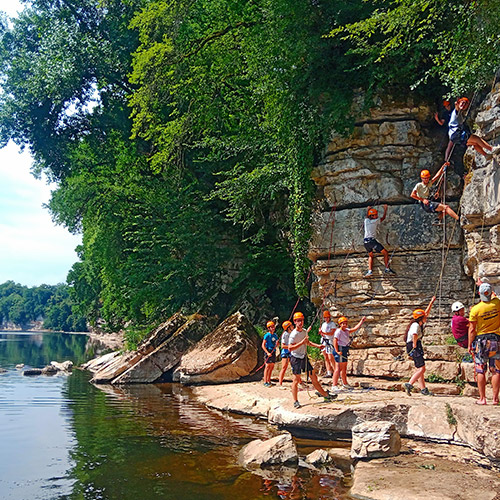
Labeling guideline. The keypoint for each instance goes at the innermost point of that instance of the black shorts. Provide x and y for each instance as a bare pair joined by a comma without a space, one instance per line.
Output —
461,135
417,354
271,359
371,244
431,207
300,365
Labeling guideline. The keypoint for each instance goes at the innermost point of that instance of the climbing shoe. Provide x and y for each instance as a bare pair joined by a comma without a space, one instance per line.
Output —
267,384
369,274
426,392
408,388
348,387
328,399
388,270
296,404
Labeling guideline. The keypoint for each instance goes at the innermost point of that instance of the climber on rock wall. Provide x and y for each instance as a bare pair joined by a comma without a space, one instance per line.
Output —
372,222
413,339
421,192
442,116
484,341
460,133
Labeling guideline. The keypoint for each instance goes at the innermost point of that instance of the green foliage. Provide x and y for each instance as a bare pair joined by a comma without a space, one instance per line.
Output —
435,378
51,304
450,340
450,416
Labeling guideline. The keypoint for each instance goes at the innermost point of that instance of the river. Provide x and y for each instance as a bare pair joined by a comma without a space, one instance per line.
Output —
63,438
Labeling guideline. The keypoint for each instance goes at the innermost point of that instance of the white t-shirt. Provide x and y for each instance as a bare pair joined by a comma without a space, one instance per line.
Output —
415,329
342,337
423,190
456,119
328,330
371,226
295,338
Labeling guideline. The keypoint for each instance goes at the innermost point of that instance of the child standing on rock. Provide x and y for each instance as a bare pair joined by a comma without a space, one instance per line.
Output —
297,344
327,332
412,337
285,353
341,344
269,344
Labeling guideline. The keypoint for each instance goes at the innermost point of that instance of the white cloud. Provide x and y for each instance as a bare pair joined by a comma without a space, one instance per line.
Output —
33,249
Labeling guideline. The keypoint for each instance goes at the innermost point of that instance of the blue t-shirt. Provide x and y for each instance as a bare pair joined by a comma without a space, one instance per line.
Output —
270,340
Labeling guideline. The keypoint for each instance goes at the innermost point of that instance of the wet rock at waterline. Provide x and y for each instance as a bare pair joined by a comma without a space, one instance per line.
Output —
275,451
3,370
229,353
32,372
49,370
67,366
318,457
375,439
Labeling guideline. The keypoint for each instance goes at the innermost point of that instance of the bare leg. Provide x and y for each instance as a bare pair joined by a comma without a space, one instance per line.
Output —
385,253
285,363
416,376
495,382
447,209
343,372
370,261
448,151
481,385
479,144
336,375
316,384
295,387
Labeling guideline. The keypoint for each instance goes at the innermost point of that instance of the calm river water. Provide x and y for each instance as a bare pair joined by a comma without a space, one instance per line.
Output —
63,438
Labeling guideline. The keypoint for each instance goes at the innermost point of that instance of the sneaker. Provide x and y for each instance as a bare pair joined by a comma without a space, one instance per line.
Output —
335,389
296,404
266,384
329,375
348,387
408,388
388,270
332,396
329,399
368,274
426,392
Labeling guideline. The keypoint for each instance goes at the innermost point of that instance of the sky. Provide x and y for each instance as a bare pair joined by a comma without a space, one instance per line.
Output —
32,249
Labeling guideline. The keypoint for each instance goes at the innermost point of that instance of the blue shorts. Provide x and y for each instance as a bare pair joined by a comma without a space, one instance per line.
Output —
372,244
285,353
431,207
344,349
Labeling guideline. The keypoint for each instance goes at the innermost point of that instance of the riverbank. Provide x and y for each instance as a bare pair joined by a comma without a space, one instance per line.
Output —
452,446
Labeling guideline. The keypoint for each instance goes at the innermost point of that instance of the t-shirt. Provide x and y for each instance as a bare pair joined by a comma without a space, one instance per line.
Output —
295,338
423,190
445,115
487,316
371,226
460,329
342,337
270,339
456,119
328,329
284,338
415,329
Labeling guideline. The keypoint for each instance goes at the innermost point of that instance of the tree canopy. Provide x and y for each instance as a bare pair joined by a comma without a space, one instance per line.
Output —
182,134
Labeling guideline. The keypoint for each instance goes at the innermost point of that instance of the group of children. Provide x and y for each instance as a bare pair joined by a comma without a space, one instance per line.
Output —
480,334
335,343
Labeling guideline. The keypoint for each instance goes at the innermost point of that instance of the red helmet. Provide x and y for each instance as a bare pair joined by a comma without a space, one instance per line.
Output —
372,211
286,325
446,103
425,174
464,100
418,313
298,315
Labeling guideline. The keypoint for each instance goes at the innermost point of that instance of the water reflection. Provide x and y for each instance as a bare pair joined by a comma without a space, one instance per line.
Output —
63,438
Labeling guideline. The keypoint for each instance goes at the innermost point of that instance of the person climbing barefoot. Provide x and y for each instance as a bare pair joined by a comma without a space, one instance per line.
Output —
269,344
460,133
422,191
327,331
412,337
285,353
371,226
484,341
341,344
297,344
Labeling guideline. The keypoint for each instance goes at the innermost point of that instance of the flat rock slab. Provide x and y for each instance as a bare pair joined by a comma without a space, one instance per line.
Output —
420,478
417,416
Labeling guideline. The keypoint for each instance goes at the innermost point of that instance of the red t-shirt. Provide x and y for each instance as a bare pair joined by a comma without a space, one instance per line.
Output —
460,329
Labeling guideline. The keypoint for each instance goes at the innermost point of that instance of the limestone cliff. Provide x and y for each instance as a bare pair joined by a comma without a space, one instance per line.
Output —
380,162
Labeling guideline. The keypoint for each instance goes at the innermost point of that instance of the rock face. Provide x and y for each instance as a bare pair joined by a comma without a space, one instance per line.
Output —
375,439
480,203
229,353
186,349
276,451
381,163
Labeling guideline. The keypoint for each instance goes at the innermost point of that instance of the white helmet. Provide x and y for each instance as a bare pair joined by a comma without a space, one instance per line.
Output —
456,306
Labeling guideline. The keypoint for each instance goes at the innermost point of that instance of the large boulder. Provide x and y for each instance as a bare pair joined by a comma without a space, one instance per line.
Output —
278,450
228,354
157,363
375,439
